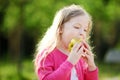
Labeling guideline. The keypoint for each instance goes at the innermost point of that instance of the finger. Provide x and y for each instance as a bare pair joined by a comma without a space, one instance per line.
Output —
88,52
77,46
80,51
83,55
86,45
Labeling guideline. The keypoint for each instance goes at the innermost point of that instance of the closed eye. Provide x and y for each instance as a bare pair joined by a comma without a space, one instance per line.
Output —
76,27
85,30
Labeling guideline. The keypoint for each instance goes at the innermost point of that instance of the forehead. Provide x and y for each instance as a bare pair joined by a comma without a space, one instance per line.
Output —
80,20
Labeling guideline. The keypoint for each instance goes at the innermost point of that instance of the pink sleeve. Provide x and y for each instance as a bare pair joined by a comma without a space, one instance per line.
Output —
89,75
46,70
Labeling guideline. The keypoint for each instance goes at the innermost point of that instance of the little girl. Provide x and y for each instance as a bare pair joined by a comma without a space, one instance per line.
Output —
54,61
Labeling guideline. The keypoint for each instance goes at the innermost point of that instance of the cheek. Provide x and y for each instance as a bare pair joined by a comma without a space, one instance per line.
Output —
67,35
66,39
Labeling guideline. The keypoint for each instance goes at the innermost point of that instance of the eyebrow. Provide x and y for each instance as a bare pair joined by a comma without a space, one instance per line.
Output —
78,24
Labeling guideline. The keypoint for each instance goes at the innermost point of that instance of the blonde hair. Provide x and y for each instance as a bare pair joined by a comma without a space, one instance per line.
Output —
49,41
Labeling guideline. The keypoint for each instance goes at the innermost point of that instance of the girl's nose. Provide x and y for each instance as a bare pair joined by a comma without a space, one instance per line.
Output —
82,34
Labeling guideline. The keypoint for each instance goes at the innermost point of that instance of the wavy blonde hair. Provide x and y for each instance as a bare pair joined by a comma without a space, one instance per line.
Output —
52,36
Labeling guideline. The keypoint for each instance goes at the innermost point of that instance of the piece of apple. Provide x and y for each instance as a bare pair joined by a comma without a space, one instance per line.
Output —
72,42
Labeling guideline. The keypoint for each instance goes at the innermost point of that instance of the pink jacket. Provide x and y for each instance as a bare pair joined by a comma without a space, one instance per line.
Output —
56,67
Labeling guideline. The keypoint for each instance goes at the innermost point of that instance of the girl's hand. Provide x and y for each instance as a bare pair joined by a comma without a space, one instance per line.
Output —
83,50
88,56
76,53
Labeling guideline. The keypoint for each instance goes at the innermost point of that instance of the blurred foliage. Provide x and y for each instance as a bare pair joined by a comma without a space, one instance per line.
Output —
33,17
23,23
8,71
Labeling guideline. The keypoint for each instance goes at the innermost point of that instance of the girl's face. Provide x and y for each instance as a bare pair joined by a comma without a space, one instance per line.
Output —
76,27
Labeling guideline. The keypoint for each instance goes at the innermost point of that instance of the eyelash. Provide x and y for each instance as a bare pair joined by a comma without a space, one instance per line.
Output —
85,30
79,28
76,27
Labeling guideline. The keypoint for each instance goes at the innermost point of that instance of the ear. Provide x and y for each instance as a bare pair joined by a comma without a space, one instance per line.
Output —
60,30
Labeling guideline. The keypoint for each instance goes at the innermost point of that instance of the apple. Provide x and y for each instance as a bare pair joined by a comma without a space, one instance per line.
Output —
72,43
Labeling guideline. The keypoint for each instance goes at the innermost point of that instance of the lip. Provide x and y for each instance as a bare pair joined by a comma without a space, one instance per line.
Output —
81,37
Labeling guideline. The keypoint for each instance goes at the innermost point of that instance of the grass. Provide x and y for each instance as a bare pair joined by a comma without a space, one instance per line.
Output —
9,71
109,71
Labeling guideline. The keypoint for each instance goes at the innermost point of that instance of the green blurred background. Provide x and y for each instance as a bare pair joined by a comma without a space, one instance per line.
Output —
23,22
